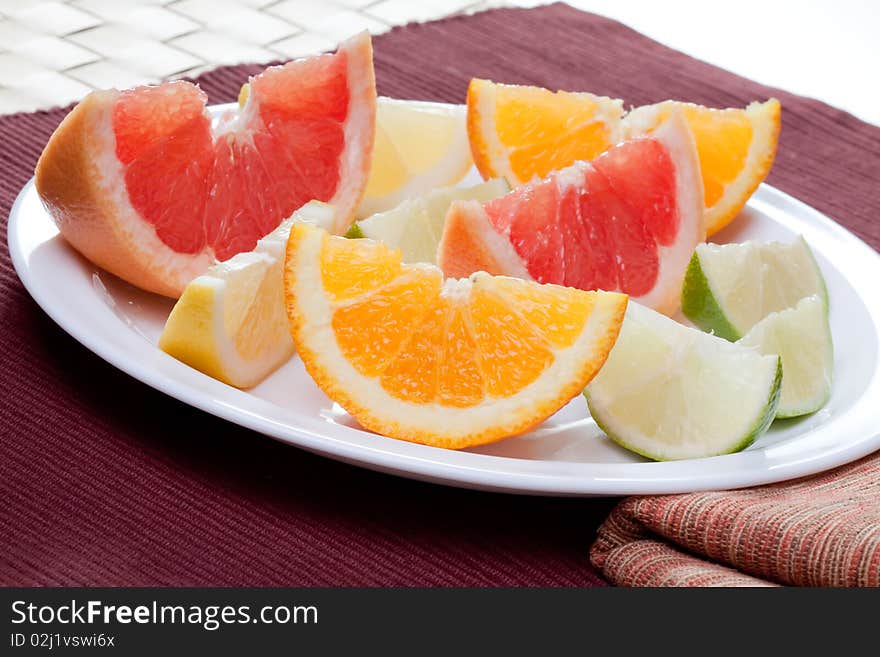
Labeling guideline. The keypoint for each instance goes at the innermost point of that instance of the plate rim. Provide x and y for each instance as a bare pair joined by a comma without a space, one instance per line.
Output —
468,469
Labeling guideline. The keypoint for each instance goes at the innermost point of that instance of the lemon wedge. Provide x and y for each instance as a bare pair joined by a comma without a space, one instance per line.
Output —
418,146
230,322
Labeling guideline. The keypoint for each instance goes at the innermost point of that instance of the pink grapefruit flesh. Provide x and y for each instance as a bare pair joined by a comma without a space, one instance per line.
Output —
141,183
628,221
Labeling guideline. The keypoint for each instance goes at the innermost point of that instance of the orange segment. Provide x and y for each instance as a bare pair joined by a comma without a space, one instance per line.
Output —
531,121
461,379
559,311
349,269
372,331
723,139
520,132
413,374
448,363
512,351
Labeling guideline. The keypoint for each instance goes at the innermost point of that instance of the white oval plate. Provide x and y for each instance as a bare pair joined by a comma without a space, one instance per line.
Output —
567,455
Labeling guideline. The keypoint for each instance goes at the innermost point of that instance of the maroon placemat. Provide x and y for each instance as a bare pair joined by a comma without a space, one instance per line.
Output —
105,481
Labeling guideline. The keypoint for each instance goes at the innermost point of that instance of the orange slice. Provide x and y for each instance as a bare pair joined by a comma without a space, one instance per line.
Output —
736,148
521,132
449,363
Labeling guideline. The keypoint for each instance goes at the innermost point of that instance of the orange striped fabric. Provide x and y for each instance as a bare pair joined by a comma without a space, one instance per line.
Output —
818,531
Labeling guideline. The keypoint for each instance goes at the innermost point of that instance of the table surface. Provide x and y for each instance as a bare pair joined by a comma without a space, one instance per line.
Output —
54,52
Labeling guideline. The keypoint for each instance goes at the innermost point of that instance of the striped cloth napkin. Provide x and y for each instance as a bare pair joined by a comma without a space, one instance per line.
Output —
816,531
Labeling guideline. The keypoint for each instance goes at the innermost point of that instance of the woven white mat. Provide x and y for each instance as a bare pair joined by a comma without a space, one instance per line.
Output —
55,52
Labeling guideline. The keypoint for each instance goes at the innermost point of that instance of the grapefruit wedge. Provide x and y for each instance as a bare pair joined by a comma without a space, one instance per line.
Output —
628,221
520,131
142,185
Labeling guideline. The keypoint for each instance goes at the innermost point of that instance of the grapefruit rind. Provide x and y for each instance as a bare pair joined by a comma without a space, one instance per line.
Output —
310,311
669,390
665,297
360,130
78,179
470,244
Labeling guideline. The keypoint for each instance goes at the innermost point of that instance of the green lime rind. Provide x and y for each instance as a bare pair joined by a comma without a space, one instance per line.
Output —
613,436
355,232
804,410
764,422
761,424
704,306
698,303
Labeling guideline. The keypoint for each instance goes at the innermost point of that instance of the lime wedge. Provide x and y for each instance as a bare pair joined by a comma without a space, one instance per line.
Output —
729,288
415,226
669,392
801,336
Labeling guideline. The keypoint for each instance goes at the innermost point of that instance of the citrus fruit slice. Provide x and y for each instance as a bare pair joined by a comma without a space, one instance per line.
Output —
230,322
736,148
449,363
140,183
419,146
521,132
415,226
628,221
729,288
802,337
669,392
